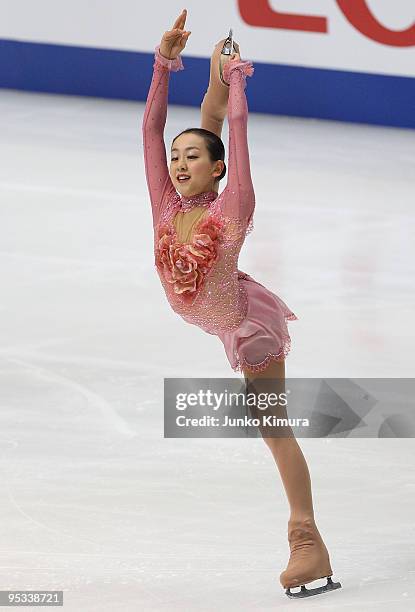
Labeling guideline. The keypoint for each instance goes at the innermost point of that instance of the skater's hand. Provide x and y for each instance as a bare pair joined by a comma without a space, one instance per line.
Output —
218,57
174,41
235,57
230,59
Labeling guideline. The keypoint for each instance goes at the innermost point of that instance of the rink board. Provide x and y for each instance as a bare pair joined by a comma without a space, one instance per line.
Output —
348,61
290,90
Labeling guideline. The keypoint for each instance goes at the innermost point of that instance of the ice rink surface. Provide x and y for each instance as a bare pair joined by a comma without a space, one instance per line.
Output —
95,501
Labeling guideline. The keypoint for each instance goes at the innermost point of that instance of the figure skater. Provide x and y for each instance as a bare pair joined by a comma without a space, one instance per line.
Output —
198,235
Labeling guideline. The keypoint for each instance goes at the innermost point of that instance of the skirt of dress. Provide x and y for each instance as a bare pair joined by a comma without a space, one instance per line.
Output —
263,334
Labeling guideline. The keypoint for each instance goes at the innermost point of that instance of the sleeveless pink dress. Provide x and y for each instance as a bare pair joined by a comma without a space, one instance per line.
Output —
200,277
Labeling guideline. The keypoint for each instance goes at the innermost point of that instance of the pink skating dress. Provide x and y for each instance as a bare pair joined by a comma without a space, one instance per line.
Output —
197,239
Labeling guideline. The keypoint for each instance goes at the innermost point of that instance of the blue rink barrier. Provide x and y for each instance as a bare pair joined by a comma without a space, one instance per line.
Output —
274,88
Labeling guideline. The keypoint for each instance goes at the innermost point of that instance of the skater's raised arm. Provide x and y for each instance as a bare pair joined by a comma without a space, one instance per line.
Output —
155,161
240,195
166,59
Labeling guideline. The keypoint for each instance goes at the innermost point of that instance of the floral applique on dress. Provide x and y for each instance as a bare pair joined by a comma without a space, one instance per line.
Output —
185,265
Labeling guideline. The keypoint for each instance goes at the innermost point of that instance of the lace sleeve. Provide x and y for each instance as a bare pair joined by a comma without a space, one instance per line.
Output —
159,183
173,65
239,201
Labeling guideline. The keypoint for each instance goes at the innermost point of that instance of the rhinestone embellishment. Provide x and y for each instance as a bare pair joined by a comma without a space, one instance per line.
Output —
200,199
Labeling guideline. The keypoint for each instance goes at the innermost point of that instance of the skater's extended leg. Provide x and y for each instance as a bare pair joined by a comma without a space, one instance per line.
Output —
309,558
215,102
286,451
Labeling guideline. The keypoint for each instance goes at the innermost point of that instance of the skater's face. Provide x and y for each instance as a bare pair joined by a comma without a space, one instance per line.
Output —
190,156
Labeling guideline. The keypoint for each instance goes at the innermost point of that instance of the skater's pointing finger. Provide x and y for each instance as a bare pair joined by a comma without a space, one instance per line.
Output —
181,20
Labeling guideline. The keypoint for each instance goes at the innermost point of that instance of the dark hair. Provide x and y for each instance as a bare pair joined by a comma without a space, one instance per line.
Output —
213,143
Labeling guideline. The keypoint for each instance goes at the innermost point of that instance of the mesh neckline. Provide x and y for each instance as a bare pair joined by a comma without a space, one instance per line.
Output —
200,199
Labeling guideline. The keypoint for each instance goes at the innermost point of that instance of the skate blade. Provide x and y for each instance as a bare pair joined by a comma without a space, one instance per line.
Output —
229,45
330,586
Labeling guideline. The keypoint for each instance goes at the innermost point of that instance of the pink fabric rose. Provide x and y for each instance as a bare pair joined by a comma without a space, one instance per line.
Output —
185,265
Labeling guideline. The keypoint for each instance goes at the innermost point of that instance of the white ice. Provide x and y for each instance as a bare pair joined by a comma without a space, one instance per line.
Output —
95,501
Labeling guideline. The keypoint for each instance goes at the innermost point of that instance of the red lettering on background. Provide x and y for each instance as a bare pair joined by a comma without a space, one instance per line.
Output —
259,13
361,17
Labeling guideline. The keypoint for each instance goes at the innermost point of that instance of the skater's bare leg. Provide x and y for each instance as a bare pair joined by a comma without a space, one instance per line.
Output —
286,451
309,558
215,102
